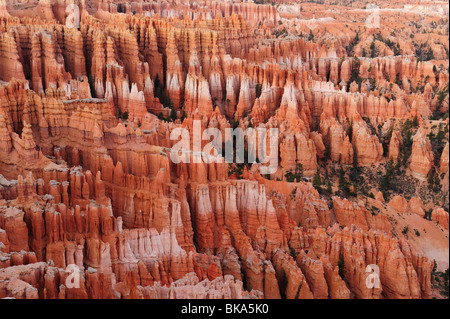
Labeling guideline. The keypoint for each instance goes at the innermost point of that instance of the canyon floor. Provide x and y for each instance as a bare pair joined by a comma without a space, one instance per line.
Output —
92,205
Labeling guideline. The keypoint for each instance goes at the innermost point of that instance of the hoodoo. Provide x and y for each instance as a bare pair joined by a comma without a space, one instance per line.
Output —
219,149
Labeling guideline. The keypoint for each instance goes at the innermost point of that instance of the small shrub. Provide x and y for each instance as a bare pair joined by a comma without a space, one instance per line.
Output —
283,284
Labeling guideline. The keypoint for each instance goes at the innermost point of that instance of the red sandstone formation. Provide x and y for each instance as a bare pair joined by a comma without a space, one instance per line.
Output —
421,160
86,178
440,216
